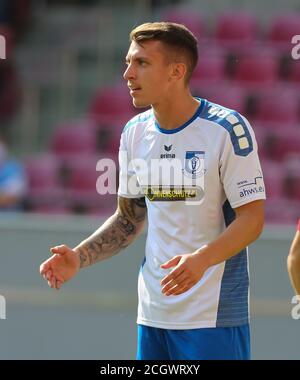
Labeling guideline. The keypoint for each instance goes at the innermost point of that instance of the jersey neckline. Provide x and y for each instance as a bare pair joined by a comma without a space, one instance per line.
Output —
178,129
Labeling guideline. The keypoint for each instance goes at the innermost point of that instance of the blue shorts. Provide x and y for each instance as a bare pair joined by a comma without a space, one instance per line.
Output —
216,343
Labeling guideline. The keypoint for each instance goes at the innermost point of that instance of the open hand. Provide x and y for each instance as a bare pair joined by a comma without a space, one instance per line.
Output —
60,267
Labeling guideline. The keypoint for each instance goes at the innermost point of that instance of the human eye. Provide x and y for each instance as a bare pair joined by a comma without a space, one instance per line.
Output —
143,62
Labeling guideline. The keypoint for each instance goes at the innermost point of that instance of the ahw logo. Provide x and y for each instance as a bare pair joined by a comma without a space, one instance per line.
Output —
168,148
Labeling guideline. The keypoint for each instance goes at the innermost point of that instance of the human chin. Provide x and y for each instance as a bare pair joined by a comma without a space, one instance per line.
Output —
139,103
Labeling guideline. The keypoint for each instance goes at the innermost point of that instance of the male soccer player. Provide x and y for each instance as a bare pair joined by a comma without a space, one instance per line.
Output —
293,261
193,284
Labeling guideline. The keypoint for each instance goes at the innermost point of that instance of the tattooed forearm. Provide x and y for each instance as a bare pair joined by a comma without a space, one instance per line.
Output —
116,233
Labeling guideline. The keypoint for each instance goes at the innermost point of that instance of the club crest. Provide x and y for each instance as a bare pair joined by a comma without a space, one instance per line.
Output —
194,164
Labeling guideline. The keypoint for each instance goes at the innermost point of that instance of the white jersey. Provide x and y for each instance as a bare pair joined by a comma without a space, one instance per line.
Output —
220,171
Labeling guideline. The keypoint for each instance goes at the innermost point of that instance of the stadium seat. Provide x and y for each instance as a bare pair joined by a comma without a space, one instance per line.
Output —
112,102
232,97
45,189
42,171
291,169
82,191
273,177
257,70
284,27
282,211
281,108
209,69
294,74
236,27
74,138
191,19
278,143
10,90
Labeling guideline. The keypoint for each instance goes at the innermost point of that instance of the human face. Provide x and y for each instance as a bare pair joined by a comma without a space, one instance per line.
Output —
148,73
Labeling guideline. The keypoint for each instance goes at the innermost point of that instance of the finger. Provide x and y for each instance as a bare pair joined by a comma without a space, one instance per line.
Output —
181,290
176,290
58,284
53,282
172,275
48,275
171,263
44,267
175,281
59,249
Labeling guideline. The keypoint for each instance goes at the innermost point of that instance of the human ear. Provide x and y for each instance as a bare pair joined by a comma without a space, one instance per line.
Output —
178,71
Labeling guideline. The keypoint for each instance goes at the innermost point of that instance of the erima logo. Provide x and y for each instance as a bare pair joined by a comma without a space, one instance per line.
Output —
167,155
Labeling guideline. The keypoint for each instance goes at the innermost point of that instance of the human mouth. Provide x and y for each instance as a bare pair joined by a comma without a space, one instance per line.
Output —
134,90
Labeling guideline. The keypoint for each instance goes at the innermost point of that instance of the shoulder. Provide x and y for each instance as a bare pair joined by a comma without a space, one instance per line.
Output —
140,119
232,124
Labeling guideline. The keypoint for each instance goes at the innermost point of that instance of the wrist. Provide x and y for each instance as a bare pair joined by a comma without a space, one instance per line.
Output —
81,257
203,257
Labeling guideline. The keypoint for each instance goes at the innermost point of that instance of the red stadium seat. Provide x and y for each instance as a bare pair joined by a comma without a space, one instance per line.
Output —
45,189
284,27
112,102
191,19
74,138
235,27
282,211
42,171
294,74
257,71
273,177
232,97
281,108
82,190
278,143
209,69
292,176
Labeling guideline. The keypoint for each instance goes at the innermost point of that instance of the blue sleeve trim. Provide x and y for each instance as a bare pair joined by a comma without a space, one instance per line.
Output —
234,124
142,117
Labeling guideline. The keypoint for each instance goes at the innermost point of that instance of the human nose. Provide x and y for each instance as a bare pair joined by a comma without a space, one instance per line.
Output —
129,73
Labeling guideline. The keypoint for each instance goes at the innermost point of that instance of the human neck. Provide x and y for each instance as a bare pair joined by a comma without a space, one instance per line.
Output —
174,112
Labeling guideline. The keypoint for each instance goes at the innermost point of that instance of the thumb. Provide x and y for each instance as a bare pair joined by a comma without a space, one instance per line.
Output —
59,249
171,263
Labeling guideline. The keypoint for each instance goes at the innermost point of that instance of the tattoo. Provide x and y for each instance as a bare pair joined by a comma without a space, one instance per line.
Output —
125,225
82,257
116,233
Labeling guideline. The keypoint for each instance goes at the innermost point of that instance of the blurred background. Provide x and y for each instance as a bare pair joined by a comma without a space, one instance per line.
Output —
63,105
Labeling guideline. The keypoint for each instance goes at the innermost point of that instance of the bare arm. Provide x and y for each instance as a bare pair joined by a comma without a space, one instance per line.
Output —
120,230
115,234
293,263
